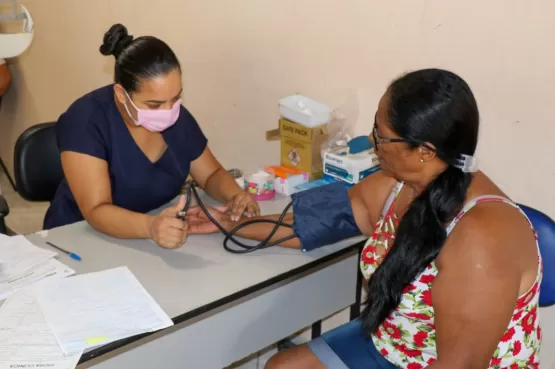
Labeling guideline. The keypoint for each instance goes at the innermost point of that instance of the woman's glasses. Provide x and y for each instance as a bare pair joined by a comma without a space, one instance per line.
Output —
379,140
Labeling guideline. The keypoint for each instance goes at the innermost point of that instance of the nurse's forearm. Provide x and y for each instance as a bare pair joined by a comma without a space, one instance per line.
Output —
221,186
118,222
259,231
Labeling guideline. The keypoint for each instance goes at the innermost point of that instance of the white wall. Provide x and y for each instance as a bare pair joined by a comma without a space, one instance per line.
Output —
240,57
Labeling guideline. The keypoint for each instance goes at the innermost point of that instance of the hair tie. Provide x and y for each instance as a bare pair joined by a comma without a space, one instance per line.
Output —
466,163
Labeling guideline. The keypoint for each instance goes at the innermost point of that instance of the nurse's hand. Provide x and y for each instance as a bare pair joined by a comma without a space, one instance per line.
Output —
167,230
243,203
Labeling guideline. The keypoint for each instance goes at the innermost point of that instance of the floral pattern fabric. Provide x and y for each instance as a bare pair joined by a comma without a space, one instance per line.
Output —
407,337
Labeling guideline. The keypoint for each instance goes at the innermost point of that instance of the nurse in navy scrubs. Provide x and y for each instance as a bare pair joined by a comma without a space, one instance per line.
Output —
128,148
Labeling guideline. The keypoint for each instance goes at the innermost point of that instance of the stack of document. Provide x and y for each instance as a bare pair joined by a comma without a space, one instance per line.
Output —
26,340
22,264
52,323
94,309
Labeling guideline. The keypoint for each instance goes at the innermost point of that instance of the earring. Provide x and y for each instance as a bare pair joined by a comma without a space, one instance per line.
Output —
421,160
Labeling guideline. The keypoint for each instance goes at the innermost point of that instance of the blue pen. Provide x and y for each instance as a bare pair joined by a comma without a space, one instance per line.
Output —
71,254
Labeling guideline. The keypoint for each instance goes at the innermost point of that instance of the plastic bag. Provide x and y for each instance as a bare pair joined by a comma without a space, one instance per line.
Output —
341,128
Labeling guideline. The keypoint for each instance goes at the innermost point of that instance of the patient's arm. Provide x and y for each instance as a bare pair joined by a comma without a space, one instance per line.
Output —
200,224
366,200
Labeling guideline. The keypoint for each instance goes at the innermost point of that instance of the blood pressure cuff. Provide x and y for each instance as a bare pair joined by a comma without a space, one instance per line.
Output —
323,216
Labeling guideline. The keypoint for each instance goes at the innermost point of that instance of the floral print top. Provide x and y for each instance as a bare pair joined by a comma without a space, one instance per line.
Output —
407,337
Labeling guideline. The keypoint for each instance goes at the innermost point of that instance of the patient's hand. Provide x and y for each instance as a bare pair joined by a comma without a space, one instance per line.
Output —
199,223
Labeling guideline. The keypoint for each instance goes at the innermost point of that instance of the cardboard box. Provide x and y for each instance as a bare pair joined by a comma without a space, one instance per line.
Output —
351,168
300,146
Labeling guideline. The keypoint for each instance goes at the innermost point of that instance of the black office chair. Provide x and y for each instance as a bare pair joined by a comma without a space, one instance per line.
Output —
4,211
37,163
37,167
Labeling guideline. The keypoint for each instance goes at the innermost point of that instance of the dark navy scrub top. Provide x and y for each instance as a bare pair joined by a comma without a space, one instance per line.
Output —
93,125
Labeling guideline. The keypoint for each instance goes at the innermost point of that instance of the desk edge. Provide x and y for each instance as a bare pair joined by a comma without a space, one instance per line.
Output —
103,350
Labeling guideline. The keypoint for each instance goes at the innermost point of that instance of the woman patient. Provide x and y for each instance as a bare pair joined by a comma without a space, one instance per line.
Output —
452,264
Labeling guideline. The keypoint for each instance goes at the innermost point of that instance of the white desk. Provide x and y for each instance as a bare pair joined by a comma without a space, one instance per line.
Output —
225,306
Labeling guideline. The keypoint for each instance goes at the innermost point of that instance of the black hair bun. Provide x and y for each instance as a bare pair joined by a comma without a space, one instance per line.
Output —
115,40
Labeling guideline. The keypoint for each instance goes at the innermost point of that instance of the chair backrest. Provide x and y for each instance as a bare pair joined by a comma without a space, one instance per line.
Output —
4,211
37,163
545,227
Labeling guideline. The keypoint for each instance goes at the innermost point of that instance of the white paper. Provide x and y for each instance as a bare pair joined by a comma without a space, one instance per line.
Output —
94,309
49,269
18,255
43,233
26,340
3,238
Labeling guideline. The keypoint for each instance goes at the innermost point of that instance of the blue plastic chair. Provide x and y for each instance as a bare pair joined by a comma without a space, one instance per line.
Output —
545,227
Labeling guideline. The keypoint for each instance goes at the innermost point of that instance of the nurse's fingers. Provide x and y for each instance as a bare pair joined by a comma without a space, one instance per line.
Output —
253,209
173,239
172,222
180,204
171,244
174,209
238,209
174,233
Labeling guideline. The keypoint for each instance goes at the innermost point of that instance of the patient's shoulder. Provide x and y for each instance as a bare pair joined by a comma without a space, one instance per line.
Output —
377,186
371,194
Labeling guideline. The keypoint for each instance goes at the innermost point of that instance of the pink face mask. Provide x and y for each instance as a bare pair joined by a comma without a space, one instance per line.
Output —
155,120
